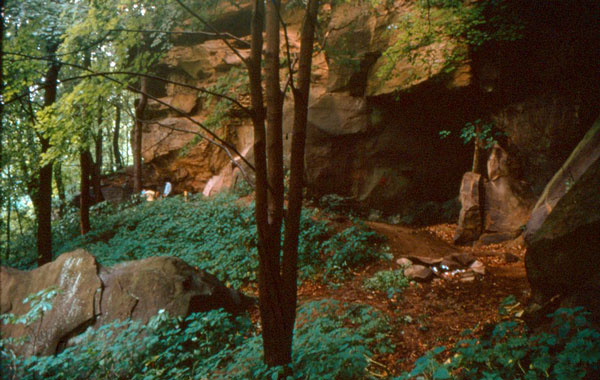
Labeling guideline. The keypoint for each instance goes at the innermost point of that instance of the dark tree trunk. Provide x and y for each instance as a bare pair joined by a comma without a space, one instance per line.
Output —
60,187
136,141
85,163
277,277
477,152
97,166
8,211
292,221
115,138
44,196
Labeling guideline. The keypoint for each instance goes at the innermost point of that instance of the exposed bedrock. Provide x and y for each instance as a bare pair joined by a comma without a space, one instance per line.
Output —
375,138
91,295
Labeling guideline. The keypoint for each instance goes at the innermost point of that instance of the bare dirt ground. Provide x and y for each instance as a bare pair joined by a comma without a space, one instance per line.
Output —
435,313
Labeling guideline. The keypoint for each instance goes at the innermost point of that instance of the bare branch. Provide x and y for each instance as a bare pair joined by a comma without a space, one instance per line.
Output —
185,32
136,90
287,47
231,158
208,25
200,89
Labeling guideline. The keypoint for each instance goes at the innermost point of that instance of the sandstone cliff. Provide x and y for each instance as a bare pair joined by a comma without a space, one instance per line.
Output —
374,120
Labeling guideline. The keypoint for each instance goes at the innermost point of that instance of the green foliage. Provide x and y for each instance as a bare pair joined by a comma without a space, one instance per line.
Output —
327,345
390,282
39,304
215,234
324,346
165,348
335,203
469,132
233,84
350,248
434,33
570,349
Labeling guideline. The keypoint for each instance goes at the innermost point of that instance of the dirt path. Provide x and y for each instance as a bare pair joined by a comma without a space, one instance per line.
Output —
434,313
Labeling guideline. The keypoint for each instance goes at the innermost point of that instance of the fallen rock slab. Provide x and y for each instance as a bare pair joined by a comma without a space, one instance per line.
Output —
92,295
418,273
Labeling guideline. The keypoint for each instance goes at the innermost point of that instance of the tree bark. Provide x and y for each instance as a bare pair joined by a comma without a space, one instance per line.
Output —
115,138
136,141
60,187
277,278
44,201
477,160
274,100
97,167
8,211
85,163
296,186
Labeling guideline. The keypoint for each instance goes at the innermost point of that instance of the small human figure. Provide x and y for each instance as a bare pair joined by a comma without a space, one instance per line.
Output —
150,195
168,187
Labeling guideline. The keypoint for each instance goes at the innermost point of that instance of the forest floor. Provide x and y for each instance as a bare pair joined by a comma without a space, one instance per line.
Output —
432,314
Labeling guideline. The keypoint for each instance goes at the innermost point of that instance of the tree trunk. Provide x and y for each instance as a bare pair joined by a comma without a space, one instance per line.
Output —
274,100
60,187
115,138
136,141
44,201
97,167
477,151
292,221
85,164
8,211
276,279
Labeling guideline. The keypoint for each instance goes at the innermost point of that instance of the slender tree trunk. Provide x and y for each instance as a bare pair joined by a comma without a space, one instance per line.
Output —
44,212
8,211
274,99
277,278
19,222
477,151
60,187
115,138
268,282
97,166
136,143
85,163
296,186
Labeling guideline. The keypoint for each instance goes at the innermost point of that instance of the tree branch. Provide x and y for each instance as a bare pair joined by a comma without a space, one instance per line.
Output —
184,32
136,90
208,25
231,158
200,89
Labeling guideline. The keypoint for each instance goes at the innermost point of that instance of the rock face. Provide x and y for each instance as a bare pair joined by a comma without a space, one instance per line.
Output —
75,274
495,208
563,235
375,116
585,154
470,219
91,295
508,200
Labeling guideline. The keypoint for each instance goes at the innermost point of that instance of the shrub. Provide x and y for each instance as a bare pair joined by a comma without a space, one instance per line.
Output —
391,282
569,350
216,234
328,344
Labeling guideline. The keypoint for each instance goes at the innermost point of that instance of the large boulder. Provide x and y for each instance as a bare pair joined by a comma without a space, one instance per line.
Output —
563,242
585,154
494,209
92,295
508,200
470,219
75,275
